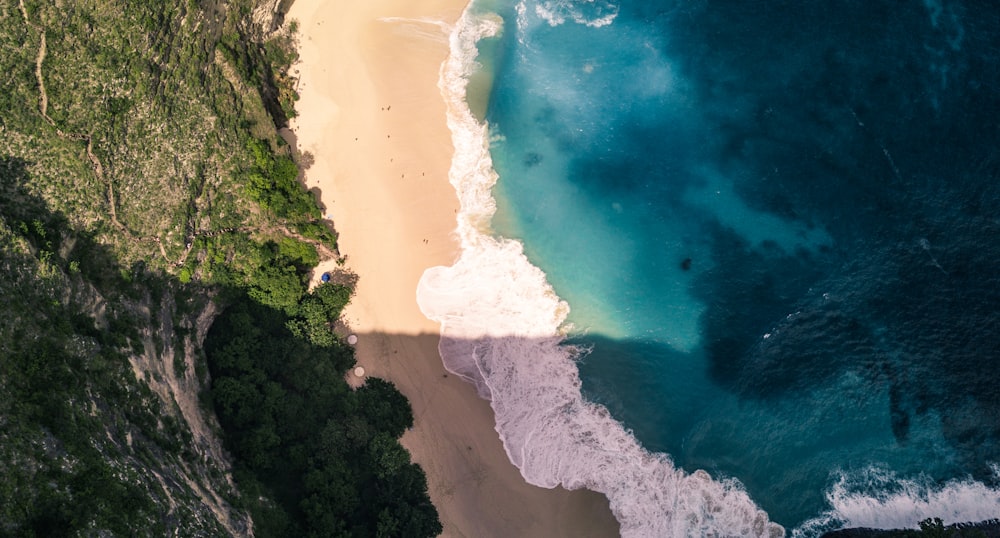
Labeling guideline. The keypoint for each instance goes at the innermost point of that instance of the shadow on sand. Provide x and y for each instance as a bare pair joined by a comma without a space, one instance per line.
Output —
475,487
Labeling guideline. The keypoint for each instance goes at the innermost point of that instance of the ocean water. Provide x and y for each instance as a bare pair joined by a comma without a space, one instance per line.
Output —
735,265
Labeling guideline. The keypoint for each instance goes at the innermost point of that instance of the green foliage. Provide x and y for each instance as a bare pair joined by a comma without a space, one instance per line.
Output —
138,151
168,126
333,297
328,456
316,312
303,253
265,66
317,231
64,382
277,286
381,403
156,154
273,183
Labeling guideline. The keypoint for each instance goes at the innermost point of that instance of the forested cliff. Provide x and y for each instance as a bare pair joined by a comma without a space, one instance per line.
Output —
155,243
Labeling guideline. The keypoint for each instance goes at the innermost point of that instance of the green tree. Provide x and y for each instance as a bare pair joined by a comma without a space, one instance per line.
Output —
380,403
334,298
277,286
327,455
303,253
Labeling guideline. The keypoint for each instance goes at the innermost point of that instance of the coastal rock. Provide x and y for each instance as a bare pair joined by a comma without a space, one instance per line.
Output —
982,529
268,17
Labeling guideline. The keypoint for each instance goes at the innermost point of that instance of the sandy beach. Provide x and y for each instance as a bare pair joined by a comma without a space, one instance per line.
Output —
372,120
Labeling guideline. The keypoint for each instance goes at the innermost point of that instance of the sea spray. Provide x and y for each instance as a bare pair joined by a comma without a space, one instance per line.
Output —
500,330
879,499
593,13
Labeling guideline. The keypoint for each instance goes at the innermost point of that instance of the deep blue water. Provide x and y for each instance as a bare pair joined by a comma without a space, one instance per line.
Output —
777,224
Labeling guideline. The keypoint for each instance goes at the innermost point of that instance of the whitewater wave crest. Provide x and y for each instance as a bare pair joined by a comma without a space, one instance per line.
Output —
879,499
501,330
593,13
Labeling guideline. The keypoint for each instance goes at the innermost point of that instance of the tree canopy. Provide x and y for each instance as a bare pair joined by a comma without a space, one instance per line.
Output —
326,454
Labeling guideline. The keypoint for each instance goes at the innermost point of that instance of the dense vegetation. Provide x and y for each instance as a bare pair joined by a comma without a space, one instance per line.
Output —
326,455
81,439
143,190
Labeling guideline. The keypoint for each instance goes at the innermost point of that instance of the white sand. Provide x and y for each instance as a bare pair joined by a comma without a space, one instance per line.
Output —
373,118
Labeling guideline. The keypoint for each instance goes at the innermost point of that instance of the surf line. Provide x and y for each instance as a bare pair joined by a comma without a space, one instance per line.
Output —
500,330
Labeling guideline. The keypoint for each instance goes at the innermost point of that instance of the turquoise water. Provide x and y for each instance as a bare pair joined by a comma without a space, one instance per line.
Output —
776,226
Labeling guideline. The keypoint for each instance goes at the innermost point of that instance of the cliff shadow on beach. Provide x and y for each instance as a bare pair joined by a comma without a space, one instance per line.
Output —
458,428
477,490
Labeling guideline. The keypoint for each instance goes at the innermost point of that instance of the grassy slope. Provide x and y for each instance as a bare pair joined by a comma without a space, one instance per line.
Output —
142,182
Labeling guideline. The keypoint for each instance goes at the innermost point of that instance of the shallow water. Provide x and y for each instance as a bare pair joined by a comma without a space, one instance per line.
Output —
775,227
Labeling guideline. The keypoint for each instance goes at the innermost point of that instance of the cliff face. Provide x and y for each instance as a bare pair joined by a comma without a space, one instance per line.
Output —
169,364
100,425
123,212
143,189
268,16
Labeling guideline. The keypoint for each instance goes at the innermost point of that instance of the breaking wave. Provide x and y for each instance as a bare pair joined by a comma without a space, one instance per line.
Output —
501,328
878,499
594,13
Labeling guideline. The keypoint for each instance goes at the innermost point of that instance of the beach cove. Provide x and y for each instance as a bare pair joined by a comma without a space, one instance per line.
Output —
372,122
727,234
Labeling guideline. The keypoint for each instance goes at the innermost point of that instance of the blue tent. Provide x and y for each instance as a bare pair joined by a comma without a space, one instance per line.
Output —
325,277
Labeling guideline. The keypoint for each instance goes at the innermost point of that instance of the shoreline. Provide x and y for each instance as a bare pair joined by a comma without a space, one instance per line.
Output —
373,120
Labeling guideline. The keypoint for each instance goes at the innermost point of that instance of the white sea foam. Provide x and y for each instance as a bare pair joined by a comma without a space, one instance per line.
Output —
500,330
594,13
878,499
